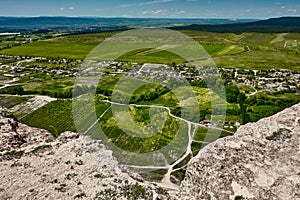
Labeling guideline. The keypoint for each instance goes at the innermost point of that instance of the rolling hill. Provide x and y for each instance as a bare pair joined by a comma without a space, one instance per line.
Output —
274,25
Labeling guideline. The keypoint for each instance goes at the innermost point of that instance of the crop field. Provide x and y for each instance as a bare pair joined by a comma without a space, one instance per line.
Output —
56,117
142,145
11,101
246,50
204,136
51,50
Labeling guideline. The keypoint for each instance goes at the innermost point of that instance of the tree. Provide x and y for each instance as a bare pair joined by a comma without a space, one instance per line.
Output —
232,93
243,107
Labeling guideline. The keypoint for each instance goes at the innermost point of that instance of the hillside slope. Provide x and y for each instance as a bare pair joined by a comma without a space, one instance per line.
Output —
273,25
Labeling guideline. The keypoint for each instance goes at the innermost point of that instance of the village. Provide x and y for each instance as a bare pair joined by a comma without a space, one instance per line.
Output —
272,80
15,68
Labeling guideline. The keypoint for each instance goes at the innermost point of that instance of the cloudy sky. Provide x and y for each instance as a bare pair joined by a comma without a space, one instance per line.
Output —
152,8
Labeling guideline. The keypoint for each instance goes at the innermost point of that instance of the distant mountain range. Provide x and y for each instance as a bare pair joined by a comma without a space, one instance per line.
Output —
29,24
94,24
276,25
130,22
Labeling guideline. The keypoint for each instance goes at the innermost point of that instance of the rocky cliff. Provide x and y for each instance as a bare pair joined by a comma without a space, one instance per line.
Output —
261,161
34,165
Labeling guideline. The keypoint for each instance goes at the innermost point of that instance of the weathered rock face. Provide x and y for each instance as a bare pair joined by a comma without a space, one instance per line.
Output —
15,135
261,161
34,165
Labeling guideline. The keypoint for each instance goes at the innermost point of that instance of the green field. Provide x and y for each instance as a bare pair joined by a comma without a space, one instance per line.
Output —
246,50
142,145
151,56
51,50
77,46
55,117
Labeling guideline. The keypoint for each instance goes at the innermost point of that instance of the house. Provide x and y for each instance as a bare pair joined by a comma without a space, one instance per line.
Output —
206,121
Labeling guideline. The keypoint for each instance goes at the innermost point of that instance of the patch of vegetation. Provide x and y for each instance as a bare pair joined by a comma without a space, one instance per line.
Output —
70,176
74,46
11,101
179,174
206,135
153,175
80,196
51,50
13,155
140,115
61,187
212,49
143,145
16,164
239,197
41,148
56,117
19,90
161,190
128,191
282,133
184,162
135,191
151,56
232,93
262,105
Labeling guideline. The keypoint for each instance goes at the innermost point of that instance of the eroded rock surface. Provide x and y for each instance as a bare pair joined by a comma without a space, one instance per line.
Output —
261,161
34,165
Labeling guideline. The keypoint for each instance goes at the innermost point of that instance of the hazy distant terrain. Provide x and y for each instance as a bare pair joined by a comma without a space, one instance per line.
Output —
31,24
275,25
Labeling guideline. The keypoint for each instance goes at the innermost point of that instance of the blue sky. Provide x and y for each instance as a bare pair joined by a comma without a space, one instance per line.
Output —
152,8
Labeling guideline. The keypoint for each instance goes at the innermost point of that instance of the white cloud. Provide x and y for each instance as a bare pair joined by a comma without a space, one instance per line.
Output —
146,3
61,9
71,8
244,12
180,12
154,12
291,10
155,2
282,7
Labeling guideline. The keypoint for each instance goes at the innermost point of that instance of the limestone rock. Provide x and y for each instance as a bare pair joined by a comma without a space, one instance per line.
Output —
34,165
261,161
